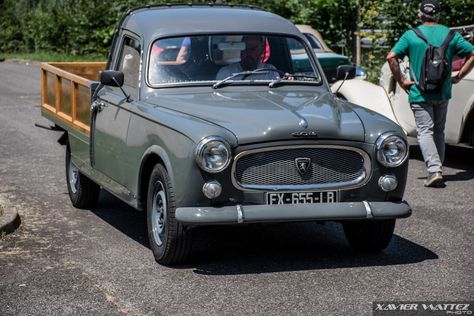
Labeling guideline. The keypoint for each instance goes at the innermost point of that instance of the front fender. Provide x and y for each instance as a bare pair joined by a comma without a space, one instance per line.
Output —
183,172
367,95
163,157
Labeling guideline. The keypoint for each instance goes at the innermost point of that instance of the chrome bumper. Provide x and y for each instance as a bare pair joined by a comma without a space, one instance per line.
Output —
292,213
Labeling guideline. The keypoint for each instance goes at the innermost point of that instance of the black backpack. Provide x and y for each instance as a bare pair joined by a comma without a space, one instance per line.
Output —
434,68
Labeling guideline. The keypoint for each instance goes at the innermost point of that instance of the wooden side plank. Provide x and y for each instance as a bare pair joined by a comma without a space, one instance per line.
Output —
80,74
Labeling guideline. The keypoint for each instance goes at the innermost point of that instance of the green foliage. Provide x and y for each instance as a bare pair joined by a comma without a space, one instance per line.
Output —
84,27
400,15
76,27
50,56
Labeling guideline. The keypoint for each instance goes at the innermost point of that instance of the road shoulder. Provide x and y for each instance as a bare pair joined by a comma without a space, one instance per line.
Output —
9,217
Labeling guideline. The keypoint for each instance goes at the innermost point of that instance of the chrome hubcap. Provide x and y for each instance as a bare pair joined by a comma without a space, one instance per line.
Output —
73,177
159,213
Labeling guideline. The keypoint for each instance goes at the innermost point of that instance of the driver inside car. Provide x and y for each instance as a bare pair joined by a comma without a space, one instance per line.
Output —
250,59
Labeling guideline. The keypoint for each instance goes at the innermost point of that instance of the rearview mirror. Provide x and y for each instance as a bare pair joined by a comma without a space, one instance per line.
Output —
224,46
345,72
111,78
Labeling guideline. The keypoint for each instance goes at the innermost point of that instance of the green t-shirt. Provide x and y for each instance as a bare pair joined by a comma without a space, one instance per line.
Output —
414,47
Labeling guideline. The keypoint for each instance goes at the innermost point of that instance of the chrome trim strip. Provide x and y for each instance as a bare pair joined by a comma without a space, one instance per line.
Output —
240,214
368,209
303,187
356,183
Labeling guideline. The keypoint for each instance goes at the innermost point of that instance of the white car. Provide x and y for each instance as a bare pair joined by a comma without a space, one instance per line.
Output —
391,100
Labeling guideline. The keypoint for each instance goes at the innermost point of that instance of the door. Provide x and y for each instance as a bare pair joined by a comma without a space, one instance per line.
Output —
113,120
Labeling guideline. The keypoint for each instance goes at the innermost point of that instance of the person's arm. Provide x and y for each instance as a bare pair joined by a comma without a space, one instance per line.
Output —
183,53
465,69
392,60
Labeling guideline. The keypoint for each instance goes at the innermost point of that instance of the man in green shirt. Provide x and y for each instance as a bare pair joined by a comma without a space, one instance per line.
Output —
429,108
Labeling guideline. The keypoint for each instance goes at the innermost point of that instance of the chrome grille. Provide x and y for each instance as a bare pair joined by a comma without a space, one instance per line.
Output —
275,168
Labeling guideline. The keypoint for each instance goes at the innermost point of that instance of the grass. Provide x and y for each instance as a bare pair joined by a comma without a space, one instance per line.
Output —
47,56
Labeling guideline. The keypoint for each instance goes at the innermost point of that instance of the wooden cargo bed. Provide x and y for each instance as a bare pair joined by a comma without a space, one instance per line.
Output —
66,93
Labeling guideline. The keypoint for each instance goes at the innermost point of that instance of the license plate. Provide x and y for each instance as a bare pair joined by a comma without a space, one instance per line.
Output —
279,198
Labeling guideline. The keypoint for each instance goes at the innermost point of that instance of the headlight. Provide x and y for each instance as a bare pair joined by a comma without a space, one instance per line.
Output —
213,154
392,150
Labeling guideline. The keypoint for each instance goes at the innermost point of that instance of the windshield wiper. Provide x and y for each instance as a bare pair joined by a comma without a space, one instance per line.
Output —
287,78
244,75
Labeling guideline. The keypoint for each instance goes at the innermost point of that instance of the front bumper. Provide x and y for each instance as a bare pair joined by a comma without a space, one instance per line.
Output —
292,213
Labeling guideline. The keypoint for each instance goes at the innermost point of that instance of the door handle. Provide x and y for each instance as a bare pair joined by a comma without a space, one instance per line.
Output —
98,106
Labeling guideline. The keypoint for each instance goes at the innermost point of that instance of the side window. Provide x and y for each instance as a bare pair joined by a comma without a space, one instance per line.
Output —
130,62
299,58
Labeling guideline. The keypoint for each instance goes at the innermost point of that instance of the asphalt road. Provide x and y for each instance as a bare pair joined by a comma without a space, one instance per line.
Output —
64,260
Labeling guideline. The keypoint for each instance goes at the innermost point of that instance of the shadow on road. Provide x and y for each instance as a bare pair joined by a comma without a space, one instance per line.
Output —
251,249
291,247
122,217
461,158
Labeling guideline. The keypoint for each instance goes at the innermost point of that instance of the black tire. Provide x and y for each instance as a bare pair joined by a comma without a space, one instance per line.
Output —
169,240
472,133
83,192
369,236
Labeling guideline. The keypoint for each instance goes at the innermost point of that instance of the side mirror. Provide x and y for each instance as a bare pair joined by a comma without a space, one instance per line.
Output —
111,78
345,72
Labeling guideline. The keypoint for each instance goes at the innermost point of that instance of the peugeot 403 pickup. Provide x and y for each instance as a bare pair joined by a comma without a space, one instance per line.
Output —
174,125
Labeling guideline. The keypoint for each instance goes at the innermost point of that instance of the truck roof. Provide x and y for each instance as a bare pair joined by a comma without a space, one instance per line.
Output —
170,20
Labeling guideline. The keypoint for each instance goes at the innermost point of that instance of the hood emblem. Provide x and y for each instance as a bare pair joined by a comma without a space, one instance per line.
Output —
305,134
302,165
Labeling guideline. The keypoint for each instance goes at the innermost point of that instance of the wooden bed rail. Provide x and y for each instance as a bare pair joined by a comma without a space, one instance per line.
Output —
65,92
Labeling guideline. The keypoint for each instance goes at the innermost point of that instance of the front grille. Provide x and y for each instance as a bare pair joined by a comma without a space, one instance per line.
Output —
275,168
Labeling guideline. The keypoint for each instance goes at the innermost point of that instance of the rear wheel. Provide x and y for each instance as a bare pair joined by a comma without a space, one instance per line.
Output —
169,240
83,192
369,236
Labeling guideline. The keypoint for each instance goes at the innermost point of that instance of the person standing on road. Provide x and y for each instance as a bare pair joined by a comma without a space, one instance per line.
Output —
429,108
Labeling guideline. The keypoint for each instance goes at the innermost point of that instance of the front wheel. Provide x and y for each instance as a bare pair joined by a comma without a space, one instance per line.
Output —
169,240
369,236
83,192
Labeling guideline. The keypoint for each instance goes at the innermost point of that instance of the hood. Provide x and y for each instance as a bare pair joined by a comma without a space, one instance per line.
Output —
269,115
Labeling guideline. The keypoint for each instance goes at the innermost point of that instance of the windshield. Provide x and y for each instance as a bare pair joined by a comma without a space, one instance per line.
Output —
230,58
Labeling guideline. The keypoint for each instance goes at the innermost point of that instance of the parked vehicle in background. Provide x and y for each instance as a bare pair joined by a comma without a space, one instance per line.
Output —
391,100
328,59
158,131
460,118
373,38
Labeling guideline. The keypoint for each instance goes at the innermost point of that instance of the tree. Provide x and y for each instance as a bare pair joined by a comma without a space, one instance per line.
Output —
86,27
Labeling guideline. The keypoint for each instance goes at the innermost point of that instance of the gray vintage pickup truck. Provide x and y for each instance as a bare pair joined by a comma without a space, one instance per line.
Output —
215,115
